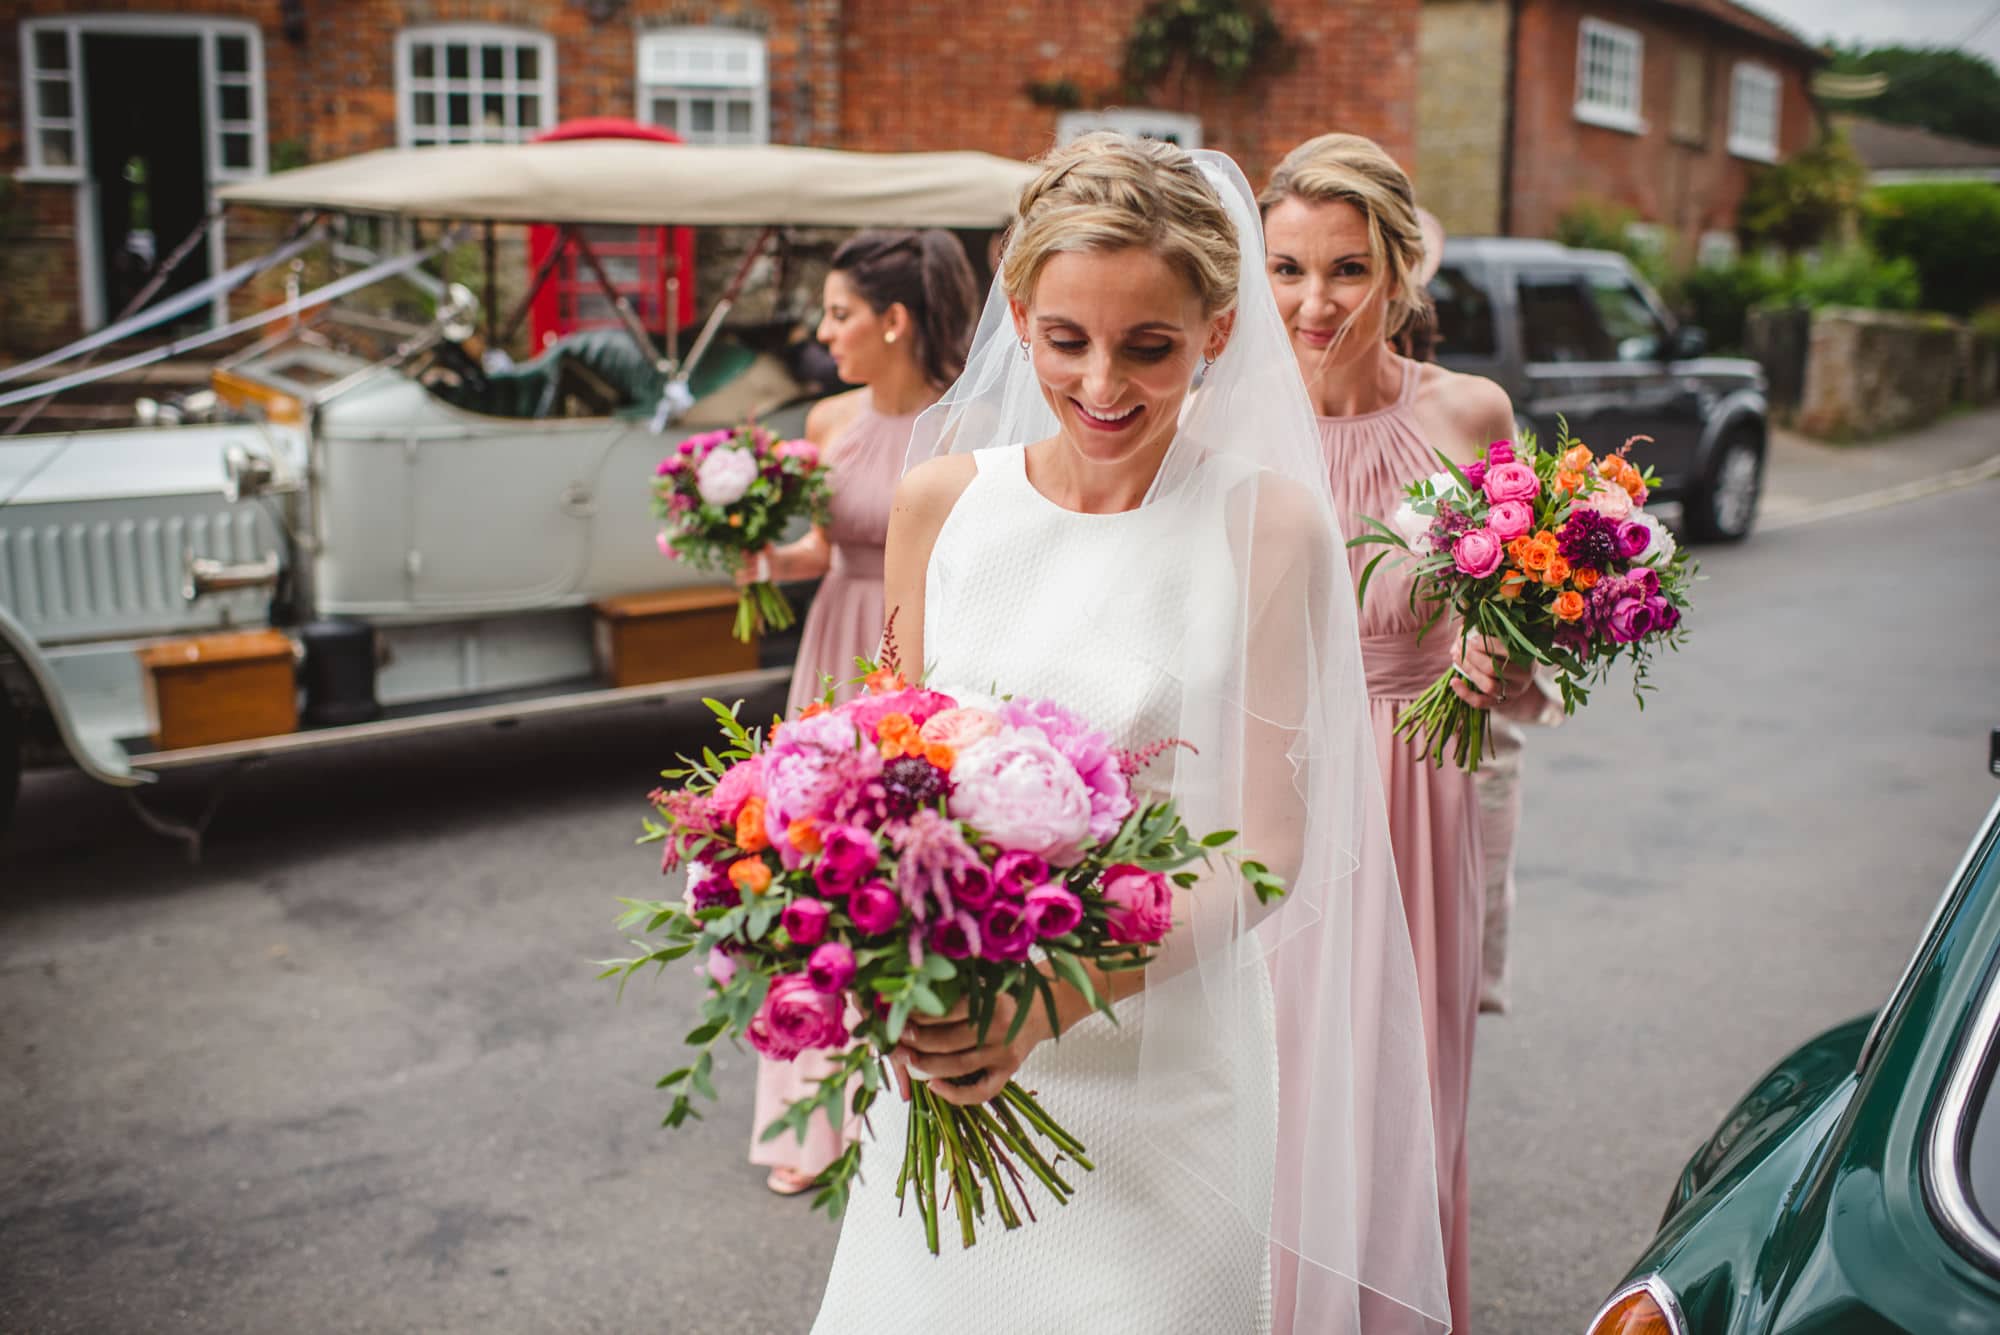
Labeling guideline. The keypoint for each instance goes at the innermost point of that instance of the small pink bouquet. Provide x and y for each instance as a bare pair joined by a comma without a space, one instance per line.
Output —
1551,554
724,495
901,854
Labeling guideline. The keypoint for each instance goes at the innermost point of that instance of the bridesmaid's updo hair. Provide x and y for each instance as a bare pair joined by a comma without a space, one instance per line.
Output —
928,275
1108,191
1350,169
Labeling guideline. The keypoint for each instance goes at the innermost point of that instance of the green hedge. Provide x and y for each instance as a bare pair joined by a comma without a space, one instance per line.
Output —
1720,297
1949,232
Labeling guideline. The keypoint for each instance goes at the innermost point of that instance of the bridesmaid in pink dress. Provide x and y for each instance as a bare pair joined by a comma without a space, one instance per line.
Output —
1345,250
899,313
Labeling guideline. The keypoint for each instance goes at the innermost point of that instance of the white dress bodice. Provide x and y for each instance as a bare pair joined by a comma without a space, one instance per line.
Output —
1015,604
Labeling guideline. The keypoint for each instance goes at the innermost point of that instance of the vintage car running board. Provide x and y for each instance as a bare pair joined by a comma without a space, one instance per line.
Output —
514,706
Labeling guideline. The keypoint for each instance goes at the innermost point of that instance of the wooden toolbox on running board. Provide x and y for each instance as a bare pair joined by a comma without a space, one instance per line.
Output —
227,687
669,635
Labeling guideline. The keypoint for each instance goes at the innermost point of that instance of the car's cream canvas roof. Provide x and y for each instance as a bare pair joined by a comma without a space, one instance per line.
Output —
636,181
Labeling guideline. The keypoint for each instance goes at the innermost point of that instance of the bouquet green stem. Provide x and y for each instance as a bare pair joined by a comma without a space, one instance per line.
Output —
762,607
979,1151
1440,719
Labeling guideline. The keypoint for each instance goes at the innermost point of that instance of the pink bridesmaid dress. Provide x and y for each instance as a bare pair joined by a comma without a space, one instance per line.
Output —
1434,817
844,622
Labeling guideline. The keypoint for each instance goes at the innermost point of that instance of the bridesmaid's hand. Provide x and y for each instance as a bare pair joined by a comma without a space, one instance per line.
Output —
1490,679
947,1047
757,568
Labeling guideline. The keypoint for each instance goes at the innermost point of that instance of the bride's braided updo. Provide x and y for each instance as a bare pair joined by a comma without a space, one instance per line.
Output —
1109,191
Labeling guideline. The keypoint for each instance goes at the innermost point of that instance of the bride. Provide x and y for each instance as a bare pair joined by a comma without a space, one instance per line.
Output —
1075,525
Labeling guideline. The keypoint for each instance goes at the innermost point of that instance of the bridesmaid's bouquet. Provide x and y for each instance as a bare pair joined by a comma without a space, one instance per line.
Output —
1550,553
726,494
907,853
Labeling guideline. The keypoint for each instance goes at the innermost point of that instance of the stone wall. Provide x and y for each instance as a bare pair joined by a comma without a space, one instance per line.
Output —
1869,373
1462,113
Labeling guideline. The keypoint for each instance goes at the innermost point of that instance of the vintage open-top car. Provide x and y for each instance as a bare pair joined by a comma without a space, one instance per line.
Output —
1855,1190
383,525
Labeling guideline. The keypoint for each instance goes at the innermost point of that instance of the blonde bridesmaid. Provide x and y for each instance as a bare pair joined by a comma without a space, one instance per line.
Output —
899,309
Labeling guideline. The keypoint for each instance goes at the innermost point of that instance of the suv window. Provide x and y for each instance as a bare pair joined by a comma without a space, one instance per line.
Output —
1636,332
1558,321
1464,315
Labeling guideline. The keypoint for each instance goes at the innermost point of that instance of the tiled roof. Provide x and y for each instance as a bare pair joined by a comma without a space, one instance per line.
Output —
1886,147
1746,19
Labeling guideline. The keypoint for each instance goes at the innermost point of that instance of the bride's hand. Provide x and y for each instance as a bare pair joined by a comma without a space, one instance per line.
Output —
947,1047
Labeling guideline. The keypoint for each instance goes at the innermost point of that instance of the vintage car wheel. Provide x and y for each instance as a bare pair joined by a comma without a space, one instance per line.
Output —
1724,507
10,758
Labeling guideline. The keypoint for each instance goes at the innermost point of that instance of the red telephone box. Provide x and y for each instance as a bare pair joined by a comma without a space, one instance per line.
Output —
638,260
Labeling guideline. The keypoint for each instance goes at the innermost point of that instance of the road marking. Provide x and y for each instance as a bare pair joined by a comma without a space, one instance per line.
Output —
1875,500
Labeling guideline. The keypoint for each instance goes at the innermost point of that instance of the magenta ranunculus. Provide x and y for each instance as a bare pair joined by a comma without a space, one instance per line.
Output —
1020,792
1141,904
1633,538
848,856
1511,482
796,1017
1631,620
1500,452
1053,910
1478,552
710,887
831,968
1665,615
804,920
1005,933
670,465
874,908
804,451
1646,580
1475,474
1089,750
1014,874
970,886
1510,519
955,937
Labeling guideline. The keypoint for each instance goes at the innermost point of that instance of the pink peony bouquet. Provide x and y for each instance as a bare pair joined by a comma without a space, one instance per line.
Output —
907,853
1551,554
724,495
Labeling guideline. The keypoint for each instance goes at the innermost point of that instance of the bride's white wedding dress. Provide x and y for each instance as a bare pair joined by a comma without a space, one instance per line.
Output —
1144,1245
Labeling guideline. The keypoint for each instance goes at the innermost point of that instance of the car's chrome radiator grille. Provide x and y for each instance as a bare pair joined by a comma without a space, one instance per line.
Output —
67,578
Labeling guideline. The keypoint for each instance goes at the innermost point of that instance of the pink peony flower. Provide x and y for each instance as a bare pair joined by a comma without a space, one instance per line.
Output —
1607,500
959,728
868,711
1014,874
847,858
804,920
1478,552
738,784
831,968
1090,751
1510,519
1141,904
1020,792
725,475
1511,482
804,451
796,1017
874,908
1500,452
665,544
1005,932
1053,910
818,769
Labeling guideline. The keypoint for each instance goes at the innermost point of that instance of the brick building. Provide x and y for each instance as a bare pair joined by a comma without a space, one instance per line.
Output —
1666,108
117,123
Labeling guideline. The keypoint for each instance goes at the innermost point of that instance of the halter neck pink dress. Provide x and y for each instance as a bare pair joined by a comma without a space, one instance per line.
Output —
1434,819
844,622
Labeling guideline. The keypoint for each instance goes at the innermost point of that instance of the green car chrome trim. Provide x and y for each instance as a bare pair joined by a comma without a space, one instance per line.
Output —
1945,1169
1662,1294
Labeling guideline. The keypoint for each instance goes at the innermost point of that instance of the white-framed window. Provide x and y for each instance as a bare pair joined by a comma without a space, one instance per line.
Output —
707,85
1172,126
473,83
1753,111
1609,61
55,91
1716,249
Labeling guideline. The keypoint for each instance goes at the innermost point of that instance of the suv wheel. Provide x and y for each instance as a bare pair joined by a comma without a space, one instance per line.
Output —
1724,507
10,758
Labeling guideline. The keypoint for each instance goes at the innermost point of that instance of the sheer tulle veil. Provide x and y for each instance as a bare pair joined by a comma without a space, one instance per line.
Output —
1304,1014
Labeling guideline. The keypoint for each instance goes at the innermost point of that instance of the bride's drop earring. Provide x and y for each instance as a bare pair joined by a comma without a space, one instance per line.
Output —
1024,349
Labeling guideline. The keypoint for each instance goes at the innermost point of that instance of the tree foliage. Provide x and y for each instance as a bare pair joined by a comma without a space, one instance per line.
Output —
1947,92
1807,199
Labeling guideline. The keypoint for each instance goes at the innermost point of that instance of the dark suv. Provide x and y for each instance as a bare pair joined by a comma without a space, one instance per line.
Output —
1578,334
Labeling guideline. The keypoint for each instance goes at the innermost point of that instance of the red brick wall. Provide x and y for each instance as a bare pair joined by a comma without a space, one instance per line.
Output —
1560,161
927,74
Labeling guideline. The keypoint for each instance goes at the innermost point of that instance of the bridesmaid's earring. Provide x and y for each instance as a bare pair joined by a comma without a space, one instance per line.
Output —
889,337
